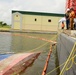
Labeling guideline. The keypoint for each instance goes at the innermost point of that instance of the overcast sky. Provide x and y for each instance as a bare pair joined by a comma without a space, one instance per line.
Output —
50,6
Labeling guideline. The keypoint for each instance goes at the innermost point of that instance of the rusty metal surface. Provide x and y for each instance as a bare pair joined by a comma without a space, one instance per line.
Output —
16,63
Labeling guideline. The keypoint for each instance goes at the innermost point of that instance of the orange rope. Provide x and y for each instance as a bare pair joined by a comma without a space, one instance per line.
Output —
28,36
47,61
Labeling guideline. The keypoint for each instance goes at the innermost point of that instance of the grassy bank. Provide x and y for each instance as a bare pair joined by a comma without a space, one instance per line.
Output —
5,27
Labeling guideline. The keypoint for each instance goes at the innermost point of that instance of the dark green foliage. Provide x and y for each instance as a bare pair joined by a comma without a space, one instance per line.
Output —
2,24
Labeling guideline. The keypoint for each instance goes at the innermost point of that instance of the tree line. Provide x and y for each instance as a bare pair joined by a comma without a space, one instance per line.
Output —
3,24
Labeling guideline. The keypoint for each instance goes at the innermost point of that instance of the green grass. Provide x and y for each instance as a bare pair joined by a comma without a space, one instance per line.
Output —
5,27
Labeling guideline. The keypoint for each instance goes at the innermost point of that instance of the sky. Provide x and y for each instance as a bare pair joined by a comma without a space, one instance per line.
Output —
49,6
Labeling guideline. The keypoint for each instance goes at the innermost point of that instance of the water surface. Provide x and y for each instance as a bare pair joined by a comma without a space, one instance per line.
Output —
22,42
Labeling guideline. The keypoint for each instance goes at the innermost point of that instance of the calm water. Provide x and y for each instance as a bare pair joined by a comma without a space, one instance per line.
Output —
21,42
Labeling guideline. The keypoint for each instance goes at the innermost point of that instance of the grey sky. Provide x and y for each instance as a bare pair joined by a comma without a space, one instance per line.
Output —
50,6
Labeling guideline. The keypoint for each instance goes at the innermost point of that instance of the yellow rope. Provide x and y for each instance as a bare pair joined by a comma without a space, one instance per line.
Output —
41,45
38,47
55,69
61,65
72,58
66,63
73,61
67,68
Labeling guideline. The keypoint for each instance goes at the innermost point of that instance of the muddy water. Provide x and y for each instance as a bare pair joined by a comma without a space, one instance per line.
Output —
22,42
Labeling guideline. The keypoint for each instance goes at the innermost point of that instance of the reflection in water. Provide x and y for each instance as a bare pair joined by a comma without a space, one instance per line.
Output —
5,43
15,42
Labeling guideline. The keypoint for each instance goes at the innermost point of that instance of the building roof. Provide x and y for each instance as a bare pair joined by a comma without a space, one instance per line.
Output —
38,13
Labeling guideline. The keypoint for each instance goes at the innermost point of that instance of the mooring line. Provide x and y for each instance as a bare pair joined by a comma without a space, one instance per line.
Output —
43,39
47,61
65,63
42,45
60,65
28,36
